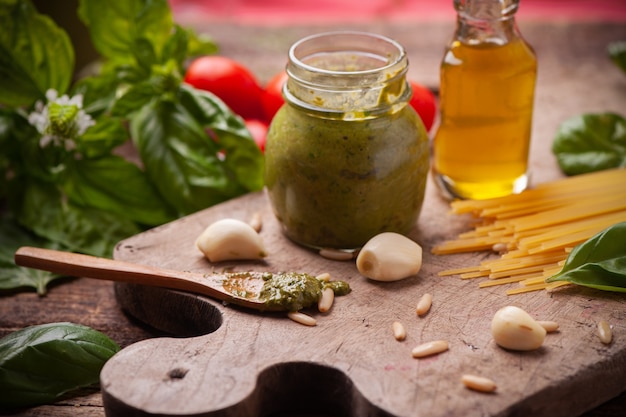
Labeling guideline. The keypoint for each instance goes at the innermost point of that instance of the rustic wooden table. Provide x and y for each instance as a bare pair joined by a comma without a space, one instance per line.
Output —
575,76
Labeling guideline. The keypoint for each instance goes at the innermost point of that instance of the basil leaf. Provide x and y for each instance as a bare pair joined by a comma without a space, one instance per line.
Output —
183,43
25,157
192,169
100,139
617,53
35,54
242,156
201,44
12,276
99,92
40,363
117,186
144,54
591,142
79,229
9,146
115,25
135,97
176,46
599,263
179,159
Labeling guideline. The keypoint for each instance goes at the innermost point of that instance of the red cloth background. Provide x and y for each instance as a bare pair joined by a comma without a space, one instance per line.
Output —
293,12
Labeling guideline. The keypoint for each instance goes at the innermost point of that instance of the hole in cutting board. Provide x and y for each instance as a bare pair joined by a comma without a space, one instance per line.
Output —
175,313
306,389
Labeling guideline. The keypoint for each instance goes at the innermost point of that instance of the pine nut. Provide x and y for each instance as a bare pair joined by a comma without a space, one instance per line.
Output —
326,300
336,255
256,222
605,333
325,277
399,332
430,348
478,383
302,318
423,305
550,326
499,247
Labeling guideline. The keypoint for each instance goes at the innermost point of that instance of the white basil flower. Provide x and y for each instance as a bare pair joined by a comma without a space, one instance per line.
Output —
61,120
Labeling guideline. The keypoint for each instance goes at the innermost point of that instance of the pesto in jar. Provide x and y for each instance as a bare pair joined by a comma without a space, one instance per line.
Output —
335,183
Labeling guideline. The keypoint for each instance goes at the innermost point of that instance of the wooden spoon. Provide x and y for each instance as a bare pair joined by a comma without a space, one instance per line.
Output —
241,288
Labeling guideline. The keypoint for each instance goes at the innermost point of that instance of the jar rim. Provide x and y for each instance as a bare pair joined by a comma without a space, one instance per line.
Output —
296,54
347,74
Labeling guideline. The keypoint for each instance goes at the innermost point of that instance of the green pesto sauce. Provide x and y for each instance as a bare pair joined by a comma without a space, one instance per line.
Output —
295,291
338,287
337,183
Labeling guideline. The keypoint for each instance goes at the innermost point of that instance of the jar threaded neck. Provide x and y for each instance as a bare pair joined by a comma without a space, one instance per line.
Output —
347,74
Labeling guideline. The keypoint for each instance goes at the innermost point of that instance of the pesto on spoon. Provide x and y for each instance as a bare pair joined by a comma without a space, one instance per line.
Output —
264,291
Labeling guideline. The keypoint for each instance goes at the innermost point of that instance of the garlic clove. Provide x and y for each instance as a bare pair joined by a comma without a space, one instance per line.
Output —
230,239
513,328
389,256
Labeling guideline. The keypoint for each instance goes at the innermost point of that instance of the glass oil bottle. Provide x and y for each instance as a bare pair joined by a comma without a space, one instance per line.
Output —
487,89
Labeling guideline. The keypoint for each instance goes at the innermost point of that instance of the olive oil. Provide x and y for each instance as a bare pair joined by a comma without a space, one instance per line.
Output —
487,90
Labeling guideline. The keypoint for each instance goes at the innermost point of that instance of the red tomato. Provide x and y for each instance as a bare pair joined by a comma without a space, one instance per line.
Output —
230,81
258,130
424,103
272,98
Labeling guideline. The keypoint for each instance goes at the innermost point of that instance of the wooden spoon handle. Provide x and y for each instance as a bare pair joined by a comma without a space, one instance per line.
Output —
79,265
87,266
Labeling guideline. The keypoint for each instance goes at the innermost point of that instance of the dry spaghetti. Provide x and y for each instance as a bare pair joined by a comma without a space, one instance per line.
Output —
537,228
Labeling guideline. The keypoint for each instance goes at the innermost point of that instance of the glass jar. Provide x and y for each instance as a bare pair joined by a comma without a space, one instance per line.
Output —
486,102
346,156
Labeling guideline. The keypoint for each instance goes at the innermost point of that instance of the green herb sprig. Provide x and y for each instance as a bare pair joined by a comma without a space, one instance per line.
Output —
61,178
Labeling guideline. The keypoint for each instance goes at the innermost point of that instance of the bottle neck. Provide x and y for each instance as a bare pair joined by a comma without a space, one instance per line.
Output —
486,9
347,75
486,21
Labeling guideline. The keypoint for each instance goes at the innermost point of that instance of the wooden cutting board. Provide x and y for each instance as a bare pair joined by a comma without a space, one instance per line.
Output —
227,361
